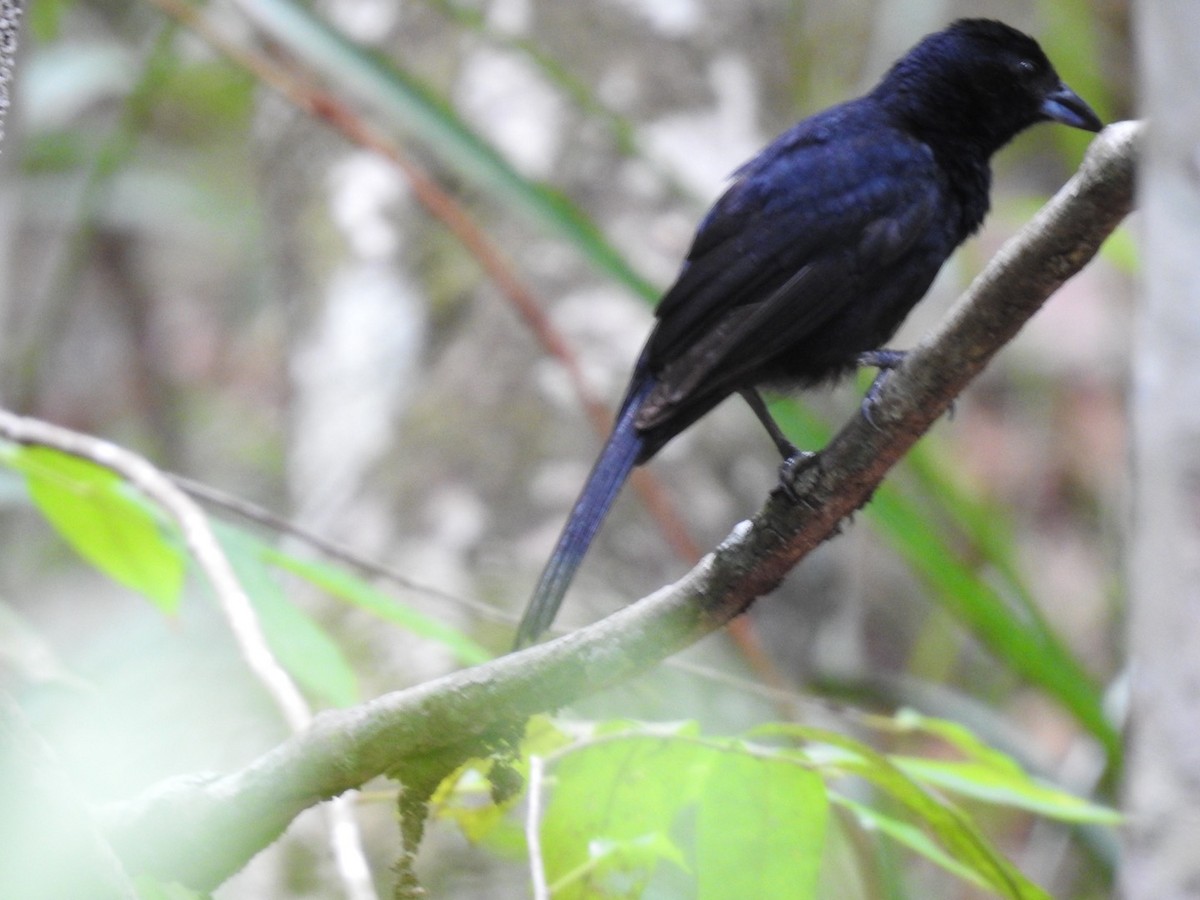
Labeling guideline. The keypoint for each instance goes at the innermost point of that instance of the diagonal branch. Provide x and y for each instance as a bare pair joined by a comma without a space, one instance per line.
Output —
428,729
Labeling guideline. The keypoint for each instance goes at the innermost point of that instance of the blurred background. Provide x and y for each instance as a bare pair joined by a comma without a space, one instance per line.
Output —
196,268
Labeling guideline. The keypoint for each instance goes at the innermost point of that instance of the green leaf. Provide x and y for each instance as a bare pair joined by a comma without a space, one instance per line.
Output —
468,798
465,798
619,792
45,18
957,736
981,781
94,511
1024,643
302,646
956,832
150,888
345,586
772,812
544,735
908,835
618,868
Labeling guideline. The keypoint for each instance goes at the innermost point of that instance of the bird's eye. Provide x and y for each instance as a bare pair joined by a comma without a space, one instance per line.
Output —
1026,69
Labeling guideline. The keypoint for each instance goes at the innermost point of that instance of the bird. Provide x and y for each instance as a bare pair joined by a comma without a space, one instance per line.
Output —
817,250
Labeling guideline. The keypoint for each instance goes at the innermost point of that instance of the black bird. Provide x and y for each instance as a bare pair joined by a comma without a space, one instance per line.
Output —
819,249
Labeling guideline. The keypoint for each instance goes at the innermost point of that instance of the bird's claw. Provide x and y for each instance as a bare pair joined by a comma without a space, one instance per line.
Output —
885,361
791,469
871,398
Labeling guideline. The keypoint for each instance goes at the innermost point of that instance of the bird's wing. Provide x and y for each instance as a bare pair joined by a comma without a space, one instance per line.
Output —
804,232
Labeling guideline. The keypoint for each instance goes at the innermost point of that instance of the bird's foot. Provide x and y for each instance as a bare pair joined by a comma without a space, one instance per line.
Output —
884,361
792,468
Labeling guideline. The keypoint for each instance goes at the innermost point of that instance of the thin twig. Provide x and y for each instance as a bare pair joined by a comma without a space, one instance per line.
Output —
345,838
533,828
198,537
345,835
260,515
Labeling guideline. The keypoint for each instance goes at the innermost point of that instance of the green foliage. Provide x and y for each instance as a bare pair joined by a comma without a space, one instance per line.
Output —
149,888
114,529
956,832
344,586
45,18
1023,641
749,816
777,810
989,775
625,835
302,646
99,517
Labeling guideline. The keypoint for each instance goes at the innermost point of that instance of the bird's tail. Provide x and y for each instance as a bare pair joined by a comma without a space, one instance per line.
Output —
617,459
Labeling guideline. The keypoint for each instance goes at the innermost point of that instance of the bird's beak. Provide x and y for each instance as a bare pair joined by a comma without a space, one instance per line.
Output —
1064,105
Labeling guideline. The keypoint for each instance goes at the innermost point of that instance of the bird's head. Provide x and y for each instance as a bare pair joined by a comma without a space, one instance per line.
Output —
980,81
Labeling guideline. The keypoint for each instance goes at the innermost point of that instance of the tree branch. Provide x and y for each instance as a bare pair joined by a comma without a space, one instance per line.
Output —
231,598
422,732
10,26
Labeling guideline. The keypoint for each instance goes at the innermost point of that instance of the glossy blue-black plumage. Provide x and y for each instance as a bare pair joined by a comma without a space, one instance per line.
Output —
613,465
820,247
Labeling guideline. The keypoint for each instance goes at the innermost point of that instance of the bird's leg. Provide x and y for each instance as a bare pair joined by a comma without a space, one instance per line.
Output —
884,361
795,460
786,448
